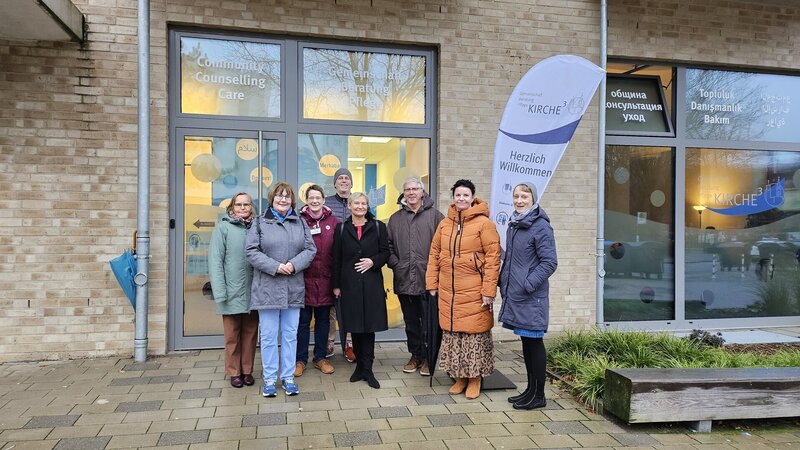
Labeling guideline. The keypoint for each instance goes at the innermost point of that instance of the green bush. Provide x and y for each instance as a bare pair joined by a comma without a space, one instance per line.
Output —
582,357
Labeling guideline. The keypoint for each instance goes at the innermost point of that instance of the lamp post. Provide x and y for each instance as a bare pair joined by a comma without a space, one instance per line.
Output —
700,209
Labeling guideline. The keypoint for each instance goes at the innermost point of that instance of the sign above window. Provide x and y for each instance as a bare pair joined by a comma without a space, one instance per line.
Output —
363,86
230,78
636,106
741,106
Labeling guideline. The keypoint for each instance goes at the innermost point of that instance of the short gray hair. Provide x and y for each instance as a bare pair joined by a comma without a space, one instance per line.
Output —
356,195
414,180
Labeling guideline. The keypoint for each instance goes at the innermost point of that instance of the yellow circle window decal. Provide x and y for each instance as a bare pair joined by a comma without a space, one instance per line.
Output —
329,164
266,175
247,149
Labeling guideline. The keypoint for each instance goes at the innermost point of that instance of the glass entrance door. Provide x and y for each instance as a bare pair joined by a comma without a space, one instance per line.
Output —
216,166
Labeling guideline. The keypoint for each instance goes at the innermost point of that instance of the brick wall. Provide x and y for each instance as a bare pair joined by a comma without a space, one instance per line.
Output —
68,135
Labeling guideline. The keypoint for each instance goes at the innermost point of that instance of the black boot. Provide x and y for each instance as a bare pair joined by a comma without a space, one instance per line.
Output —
358,374
369,377
535,400
528,359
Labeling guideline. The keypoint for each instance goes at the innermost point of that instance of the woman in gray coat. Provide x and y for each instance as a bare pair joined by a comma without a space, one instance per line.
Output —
231,278
279,247
529,260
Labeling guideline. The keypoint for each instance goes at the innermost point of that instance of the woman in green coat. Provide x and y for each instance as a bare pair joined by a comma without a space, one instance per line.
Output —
231,277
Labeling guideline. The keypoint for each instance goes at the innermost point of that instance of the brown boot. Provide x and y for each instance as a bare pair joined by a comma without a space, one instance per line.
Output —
458,387
474,388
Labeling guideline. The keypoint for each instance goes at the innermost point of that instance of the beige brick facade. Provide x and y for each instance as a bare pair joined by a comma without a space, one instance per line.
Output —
68,134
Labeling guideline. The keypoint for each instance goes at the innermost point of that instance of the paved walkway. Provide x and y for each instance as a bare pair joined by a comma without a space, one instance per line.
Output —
183,401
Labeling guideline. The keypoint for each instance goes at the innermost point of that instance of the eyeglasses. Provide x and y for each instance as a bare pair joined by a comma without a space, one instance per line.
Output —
283,197
412,189
242,205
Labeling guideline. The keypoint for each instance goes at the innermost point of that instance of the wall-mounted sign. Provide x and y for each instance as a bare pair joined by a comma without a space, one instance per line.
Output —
366,86
233,78
636,106
741,106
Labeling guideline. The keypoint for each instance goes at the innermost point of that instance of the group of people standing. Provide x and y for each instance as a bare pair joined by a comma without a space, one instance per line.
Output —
272,274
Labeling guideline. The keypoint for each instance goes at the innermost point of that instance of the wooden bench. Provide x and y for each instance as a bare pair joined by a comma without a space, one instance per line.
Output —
701,395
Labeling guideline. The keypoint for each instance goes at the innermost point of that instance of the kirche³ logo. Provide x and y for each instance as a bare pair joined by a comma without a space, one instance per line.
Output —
501,218
507,188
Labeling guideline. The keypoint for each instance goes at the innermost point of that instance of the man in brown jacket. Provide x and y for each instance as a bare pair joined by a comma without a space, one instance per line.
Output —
411,230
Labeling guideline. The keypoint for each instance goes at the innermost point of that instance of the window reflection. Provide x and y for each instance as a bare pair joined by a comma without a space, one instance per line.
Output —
379,166
639,246
743,245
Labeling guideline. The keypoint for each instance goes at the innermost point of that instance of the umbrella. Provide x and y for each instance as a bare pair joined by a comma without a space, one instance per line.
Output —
124,268
431,329
337,303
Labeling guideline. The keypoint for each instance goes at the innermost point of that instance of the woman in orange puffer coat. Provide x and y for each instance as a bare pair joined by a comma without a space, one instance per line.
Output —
463,269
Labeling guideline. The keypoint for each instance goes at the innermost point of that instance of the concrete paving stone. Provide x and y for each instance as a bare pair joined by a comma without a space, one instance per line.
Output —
123,429
423,390
780,437
256,420
485,430
73,431
51,421
320,405
721,447
454,432
129,381
634,439
171,425
133,441
604,427
219,422
210,377
367,425
426,445
675,447
466,408
125,407
378,447
147,416
359,403
526,429
10,423
231,435
349,414
95,408
312,428
21,393
428,410
449,420
433,399
342,395
312,441
275,405
566,427
141,367
183,437
30,445
292,429
307,416
510,442
254,399
396,436
368,392
102,419
562,415
184,404
409,422
397,401
595,440
214,363
554,441
169,379
64,399
310,396
357,438
389,411
488,417
468,444
163,391
189,385
199,393
241,410
673,438
61,410
84,443
193,413
503,406
275,443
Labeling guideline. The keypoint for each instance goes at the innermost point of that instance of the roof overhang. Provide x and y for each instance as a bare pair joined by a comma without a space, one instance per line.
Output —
40,20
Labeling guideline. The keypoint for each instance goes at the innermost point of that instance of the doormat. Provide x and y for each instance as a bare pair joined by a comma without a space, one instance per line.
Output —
497,381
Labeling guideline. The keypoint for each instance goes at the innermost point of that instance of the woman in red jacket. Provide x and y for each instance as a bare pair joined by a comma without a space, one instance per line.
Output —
319,291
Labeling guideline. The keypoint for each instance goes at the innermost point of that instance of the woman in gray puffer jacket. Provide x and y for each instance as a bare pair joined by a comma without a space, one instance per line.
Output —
529,260
231,276
280,248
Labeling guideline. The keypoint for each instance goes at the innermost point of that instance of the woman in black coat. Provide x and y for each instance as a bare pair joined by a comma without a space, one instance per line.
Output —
360,249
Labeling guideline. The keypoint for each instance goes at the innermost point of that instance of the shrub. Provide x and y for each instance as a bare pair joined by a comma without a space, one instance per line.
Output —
706,338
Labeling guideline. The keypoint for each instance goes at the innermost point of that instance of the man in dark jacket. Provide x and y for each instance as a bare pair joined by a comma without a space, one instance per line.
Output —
411,231
343,184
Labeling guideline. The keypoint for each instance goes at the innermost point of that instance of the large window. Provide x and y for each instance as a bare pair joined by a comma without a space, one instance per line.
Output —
701,224
307,108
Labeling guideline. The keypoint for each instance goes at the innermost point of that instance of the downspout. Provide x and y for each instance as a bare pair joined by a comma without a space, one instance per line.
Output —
143,188
601,163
